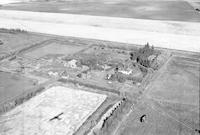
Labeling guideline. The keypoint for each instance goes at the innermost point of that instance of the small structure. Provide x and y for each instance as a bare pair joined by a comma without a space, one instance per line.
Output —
71,63
84,75
127,71
106,67
108,76
197,9
197,130
143,118
54,74
79,75
64,75
151,58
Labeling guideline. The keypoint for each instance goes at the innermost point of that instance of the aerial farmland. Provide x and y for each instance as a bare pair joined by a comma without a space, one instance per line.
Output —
113,68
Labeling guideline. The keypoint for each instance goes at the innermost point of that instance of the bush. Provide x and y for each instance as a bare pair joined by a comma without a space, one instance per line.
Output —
1,42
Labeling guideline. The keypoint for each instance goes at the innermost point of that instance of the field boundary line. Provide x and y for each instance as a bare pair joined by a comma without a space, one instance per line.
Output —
168,101
169,116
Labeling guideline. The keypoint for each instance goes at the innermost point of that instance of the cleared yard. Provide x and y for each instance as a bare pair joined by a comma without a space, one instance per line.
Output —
12,85
58,110
53,49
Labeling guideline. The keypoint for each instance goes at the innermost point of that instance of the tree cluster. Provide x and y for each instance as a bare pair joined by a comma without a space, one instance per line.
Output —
12,31
141,56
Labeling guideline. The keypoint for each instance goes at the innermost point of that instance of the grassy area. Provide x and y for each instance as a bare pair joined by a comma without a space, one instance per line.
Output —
54,48
15,40
12,85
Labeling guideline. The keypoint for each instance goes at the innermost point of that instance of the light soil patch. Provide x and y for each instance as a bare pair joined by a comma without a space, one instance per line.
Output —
54,48
59,110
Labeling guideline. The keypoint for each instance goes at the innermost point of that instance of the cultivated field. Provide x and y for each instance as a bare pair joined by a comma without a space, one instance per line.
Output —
12,85
158,122
179,83
176,10
37,116
173,35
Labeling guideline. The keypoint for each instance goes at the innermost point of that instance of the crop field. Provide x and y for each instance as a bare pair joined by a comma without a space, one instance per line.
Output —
179,83
12,85
187,115
58,110
145,9
165,34
54,48
175,93
157,122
